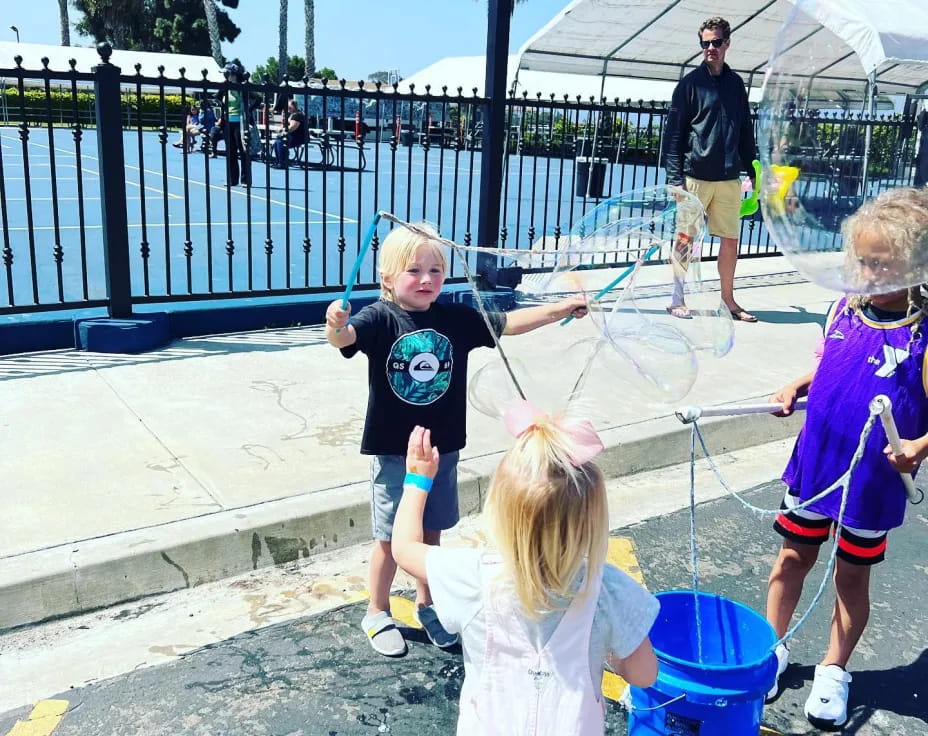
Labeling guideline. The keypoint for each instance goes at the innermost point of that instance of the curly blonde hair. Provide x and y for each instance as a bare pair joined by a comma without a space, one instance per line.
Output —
899,219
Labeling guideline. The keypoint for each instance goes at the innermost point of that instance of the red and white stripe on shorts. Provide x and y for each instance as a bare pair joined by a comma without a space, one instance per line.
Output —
857,546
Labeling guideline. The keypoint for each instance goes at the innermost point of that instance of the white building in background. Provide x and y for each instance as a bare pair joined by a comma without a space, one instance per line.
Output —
87,58
469,72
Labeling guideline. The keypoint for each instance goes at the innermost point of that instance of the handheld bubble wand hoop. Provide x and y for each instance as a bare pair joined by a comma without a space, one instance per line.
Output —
882,406
356,269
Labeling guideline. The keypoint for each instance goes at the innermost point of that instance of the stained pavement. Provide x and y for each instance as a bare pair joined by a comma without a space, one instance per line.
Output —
317,676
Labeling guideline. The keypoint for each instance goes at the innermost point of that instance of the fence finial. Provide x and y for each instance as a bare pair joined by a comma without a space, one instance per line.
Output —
105,51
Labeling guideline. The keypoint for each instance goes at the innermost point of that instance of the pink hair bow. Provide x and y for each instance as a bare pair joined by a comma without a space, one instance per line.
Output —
586,444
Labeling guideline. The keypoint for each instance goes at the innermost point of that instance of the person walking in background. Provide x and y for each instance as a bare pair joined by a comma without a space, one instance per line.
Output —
708,143
234,117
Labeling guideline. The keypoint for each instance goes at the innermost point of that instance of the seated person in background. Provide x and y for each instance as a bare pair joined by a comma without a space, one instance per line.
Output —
208,124
295,131
191,129
215,135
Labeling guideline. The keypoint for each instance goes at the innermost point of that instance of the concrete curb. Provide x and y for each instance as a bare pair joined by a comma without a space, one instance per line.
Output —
94,573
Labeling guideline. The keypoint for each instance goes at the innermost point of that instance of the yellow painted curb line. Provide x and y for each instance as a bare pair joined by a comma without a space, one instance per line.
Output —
402,609
44,718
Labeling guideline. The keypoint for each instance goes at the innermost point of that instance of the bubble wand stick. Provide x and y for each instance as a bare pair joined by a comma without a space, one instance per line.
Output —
356,269
882,406
612,284
690,414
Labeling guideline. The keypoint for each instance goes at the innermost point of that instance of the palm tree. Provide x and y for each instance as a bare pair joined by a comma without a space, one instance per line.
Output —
309,8
215,47
64,22
282,46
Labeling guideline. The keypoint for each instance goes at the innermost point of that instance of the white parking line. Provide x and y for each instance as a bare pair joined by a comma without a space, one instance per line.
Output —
158,225
239,192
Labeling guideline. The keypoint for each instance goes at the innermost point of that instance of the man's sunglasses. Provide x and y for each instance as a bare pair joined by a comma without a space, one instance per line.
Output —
715,43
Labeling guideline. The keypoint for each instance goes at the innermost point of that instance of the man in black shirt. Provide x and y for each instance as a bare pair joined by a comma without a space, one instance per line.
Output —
709,141
295,134
921,159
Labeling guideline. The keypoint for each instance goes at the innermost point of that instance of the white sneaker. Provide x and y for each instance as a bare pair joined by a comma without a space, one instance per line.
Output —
782,652
826,706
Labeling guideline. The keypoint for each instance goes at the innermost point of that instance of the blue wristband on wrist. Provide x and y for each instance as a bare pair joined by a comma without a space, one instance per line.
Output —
419,481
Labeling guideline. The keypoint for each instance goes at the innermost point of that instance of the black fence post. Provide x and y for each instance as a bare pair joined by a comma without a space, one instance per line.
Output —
112,166
491,152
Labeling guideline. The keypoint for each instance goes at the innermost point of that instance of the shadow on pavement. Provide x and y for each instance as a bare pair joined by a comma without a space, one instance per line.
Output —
893,690
71,361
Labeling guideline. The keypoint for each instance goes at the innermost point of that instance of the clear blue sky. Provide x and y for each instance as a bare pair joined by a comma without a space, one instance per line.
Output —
353,37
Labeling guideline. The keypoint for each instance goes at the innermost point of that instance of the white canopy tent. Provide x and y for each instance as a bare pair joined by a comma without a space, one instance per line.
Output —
87,58
851,41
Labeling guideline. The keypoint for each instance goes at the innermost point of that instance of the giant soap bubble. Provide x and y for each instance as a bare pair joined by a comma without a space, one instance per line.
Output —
605,257
820,161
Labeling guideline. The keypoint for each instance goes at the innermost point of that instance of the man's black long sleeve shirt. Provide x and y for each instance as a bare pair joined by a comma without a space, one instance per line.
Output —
709,134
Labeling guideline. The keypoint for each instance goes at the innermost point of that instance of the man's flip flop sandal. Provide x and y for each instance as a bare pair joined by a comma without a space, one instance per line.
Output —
681,311
739,315
383,635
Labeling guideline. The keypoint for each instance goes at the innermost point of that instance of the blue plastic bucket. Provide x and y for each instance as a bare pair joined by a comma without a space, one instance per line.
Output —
721,693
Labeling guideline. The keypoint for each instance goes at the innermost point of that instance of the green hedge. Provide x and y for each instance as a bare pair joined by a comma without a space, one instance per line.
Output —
34,103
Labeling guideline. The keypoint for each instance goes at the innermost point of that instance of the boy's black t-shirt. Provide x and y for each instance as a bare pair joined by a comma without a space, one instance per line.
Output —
417,372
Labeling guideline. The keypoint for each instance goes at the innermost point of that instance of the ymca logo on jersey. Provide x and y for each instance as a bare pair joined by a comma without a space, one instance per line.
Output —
892,359
419,367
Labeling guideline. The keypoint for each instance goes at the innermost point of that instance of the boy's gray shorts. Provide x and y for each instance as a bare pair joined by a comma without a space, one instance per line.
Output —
441,508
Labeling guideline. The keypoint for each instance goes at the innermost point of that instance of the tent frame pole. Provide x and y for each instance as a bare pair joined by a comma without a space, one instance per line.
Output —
868,133
494,136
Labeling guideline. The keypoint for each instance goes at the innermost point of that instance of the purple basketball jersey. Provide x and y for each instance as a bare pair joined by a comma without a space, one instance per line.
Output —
862,359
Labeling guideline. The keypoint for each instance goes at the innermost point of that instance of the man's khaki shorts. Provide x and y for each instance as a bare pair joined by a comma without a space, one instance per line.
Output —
722,203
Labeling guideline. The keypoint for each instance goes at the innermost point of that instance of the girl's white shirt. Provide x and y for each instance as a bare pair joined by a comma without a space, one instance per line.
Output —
622,613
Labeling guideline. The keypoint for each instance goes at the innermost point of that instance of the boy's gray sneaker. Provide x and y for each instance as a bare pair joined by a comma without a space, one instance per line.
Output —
433,628
384,636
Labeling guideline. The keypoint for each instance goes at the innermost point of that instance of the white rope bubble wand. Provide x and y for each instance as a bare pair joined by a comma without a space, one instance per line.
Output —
690,414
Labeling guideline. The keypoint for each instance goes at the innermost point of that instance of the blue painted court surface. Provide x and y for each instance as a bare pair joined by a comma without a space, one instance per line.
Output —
173,199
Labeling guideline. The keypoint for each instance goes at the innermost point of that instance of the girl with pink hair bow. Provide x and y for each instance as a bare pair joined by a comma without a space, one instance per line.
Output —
539,613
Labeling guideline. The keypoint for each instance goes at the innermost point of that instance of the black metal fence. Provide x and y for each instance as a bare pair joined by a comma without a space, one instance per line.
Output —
104,204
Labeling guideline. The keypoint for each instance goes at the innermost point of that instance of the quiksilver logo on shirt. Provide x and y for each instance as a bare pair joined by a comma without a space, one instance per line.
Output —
419,366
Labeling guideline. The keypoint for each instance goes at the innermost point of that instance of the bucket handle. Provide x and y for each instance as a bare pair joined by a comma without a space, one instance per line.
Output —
629,706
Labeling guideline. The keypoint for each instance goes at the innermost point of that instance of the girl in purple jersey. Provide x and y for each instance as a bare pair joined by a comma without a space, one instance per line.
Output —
872,345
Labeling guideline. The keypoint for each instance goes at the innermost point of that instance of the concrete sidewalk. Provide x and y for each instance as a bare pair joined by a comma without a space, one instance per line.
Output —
125,476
